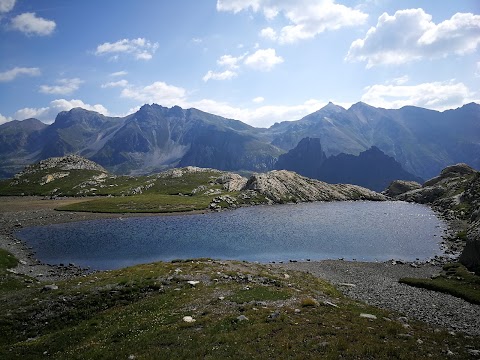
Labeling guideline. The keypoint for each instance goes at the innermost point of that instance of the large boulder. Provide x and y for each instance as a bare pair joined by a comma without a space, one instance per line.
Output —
399,187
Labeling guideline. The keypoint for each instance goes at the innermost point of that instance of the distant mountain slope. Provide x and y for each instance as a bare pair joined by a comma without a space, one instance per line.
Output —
19,140
422,141
371,169
152,139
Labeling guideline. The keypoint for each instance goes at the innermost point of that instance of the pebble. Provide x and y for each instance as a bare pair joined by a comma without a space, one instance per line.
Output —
368,316
377,284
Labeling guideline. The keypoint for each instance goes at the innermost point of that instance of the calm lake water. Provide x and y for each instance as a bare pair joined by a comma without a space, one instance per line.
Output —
366,231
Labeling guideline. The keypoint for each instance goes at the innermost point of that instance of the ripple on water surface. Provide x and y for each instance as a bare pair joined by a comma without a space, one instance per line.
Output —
367,231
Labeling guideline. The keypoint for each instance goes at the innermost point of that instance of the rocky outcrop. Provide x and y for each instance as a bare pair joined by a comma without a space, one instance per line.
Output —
398,187
282,186
231,182
451,172
455,193
64,163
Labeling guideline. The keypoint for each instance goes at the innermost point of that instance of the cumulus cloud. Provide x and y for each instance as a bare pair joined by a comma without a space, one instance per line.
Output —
63,87
120,83
11,74
269,33
48,114
263,59
410,35
158,92
4,119
31,24
140,48
224,75
435,95
6,5
307,18
258,99
262,116
230,61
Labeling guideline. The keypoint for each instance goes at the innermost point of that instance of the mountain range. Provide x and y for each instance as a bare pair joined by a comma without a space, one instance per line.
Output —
156,138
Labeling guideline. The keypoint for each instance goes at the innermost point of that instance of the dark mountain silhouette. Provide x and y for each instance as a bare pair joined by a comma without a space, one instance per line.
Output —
371,168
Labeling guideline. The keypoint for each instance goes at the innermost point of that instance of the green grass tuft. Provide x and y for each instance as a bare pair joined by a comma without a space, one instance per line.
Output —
455,280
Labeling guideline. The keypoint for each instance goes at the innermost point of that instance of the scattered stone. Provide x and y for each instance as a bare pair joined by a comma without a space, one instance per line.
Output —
50,287
188,319
286,276
328,303
297,311
474,352
193,282
368,316
273,316
242,318
347,285
221,298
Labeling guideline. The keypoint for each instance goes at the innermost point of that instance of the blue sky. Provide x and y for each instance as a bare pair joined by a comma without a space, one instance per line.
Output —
259,61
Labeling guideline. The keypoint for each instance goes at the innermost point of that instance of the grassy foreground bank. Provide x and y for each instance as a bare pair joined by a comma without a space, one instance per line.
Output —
204,309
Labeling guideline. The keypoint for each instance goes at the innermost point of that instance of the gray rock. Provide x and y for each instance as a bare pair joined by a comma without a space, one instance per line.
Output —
50,287
242,318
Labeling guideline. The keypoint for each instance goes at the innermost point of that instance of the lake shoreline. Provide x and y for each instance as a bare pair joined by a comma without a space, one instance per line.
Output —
375,283
20,212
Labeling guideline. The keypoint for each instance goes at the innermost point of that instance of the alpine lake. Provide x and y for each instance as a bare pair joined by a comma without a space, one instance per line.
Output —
363,231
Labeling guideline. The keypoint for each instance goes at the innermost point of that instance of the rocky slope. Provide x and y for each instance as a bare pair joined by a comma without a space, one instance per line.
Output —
287,186
455,193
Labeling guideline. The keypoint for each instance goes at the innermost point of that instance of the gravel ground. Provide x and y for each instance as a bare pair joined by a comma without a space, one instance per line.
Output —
374,283
377,284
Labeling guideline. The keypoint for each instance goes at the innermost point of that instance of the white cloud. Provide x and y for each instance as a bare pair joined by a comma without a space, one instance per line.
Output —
263,59
477,71
48,114
400,80
119,73
262,116
307,18
411,35
436,95
140,48
11,74
238,5
6,5
4,119
225,75
258,99
269,33
158,92
30,24
64,87
230,61
120,83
